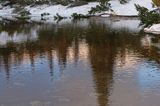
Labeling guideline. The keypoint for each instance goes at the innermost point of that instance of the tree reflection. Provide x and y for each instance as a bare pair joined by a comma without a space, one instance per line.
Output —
102,52
105,45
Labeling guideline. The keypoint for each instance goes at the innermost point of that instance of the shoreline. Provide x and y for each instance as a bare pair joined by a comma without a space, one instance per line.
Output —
40,19
47,10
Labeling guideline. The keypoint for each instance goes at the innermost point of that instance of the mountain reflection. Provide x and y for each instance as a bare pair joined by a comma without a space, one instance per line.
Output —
102,46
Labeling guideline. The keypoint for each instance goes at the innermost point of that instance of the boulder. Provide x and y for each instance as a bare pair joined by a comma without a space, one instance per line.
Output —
154,29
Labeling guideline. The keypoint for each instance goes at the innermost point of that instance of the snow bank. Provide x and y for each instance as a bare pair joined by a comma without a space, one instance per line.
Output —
6,11
61,10
127,9
154,29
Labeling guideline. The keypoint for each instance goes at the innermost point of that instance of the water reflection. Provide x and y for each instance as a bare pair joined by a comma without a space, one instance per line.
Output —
89,59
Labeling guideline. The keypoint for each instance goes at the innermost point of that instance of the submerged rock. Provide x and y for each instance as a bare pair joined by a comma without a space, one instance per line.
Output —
154,29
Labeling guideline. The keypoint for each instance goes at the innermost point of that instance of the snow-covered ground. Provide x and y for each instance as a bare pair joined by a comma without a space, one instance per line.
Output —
127,9
61,10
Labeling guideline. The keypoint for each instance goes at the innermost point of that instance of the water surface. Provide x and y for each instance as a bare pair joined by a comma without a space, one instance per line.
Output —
94,62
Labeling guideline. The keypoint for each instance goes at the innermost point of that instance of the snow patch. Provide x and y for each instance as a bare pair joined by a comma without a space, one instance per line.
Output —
61,10
6,11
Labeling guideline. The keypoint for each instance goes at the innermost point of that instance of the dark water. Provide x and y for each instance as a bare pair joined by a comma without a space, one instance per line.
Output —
95,62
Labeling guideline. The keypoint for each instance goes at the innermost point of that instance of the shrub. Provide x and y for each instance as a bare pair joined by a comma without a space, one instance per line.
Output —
58,17
147,17
78,16
99,8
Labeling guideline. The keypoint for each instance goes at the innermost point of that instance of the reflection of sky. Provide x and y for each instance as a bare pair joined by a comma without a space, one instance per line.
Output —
148,76
75,79
38,62
118,24
146,41
17,37
35,83
136,82
132,25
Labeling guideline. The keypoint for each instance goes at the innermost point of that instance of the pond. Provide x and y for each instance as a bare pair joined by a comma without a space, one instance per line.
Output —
90,62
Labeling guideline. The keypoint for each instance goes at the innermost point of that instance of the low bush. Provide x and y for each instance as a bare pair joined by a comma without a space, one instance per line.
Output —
58,17
78,16
148,17
100,8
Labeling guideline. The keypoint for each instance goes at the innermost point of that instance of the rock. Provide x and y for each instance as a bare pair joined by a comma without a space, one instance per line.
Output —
154,29
16,6
1,6
78,3
6,3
